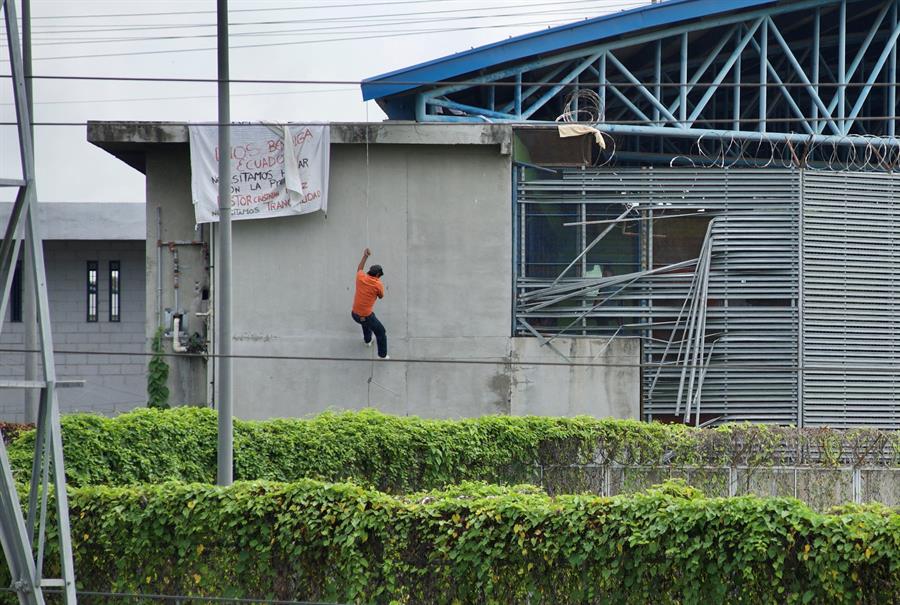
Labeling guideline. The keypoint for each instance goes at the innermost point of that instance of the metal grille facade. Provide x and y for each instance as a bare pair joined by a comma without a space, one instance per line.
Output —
744,282
850,299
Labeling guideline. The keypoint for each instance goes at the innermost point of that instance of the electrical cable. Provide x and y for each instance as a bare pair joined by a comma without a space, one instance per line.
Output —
415,17
303,42
378,28
509,362
261,9
184,98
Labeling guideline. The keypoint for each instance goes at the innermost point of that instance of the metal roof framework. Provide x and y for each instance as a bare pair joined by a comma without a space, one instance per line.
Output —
812,72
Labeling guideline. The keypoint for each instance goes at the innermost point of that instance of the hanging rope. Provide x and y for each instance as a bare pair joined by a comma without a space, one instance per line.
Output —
371,380
371,353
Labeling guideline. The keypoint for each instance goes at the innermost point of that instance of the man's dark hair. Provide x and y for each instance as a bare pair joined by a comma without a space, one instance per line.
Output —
376,271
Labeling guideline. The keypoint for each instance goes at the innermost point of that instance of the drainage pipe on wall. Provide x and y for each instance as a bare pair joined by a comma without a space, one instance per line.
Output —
159,285
176,336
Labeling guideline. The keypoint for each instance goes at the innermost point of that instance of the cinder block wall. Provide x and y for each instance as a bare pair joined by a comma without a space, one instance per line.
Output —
114,383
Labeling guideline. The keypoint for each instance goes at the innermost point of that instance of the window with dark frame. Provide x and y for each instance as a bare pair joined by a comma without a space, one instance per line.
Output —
92,290
115,272
15,297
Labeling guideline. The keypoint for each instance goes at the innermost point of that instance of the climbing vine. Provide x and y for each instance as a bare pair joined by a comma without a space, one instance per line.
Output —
157,374
402,454
475,543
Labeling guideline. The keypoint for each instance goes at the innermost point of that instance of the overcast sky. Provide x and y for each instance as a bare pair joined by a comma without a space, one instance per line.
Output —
319,40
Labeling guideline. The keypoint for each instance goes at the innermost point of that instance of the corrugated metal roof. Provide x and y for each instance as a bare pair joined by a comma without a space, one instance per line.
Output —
550,41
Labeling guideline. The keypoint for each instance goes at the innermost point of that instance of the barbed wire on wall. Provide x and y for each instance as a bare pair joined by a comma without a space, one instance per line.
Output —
875,154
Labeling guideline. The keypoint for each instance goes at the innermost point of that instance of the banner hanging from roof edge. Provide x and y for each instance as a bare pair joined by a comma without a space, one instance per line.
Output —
269,178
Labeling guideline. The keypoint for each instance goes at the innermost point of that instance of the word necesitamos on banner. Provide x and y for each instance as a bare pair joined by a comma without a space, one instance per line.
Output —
268,177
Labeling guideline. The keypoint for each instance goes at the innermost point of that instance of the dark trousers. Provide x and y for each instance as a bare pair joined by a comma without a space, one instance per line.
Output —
370,325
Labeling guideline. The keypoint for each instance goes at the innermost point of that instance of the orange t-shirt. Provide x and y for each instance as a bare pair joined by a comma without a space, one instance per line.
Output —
368,288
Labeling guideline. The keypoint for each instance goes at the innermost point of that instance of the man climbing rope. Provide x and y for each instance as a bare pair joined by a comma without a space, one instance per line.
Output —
368,288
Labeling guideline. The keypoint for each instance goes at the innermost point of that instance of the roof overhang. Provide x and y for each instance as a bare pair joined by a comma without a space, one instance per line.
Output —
130,141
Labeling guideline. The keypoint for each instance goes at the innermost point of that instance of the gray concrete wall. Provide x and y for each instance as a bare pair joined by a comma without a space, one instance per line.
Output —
113,383
607,389
434,205
170,218
438,221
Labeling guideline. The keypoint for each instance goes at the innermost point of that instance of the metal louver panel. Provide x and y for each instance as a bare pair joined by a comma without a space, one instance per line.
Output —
785,312
749,286
851,299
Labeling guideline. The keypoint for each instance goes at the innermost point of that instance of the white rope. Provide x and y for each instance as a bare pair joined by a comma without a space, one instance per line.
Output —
367,175
371,352
371,379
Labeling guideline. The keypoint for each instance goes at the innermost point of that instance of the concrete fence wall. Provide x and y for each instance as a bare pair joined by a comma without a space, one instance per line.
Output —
821,487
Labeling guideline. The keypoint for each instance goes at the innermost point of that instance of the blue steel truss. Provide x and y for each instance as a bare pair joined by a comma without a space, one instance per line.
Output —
801,71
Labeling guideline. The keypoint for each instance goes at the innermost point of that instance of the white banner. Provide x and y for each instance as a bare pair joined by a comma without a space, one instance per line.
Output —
268,178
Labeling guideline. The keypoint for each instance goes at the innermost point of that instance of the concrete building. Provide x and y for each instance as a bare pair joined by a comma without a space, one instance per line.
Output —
696,197
88,248
435,202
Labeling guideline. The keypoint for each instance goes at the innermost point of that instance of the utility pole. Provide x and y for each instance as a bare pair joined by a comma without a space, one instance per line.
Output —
224,404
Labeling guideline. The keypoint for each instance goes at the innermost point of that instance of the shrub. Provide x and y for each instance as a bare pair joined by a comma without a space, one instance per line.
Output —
157,374
401,454
476,543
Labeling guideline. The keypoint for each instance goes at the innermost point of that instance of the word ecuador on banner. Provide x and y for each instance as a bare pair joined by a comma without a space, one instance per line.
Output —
275,170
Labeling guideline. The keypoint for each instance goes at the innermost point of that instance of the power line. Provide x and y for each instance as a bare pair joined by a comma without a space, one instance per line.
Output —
774,367
183,98
384,16
243,10
319,32
302,42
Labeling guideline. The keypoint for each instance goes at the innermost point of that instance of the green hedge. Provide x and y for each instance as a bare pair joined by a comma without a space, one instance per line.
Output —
401,454
476,543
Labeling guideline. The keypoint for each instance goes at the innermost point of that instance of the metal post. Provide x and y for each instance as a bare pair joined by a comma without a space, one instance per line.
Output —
842,65
763,73
863,94
601,75
657,79
682,109
892,78
15,536
801,330
226,436
854,65
729,63
51,415
29,310
517,106
737,82
575,102
816,52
